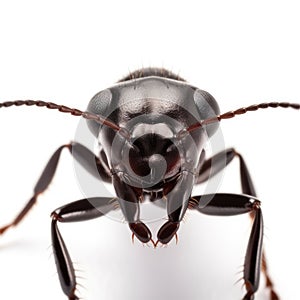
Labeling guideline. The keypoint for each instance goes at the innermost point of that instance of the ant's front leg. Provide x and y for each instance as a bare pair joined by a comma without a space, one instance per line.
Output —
234,204
177,204
94,165
128,199
82,210
213,166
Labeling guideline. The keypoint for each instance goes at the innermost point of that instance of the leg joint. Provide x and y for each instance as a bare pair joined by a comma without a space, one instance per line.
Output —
56,217
256,204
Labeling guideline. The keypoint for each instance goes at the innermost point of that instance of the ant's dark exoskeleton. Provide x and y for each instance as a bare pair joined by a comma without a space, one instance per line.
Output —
152,128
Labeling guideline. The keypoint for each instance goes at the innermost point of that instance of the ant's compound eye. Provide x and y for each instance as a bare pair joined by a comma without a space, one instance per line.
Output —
99,105
207,108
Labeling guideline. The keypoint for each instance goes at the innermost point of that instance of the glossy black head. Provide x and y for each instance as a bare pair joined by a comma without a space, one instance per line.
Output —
153,90
153,106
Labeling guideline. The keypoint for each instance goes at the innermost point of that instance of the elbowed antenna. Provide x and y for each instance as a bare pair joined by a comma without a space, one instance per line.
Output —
241,111
64,109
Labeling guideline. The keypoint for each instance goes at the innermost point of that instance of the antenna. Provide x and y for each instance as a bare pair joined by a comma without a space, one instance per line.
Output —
104,121
64,109
241,111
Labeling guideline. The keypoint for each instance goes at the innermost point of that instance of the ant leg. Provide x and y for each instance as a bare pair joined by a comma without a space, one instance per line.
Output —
81,210
84,156
214,165
128,199
233,204
177,204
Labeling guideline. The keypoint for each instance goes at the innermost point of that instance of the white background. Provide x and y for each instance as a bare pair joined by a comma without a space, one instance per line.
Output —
66,51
